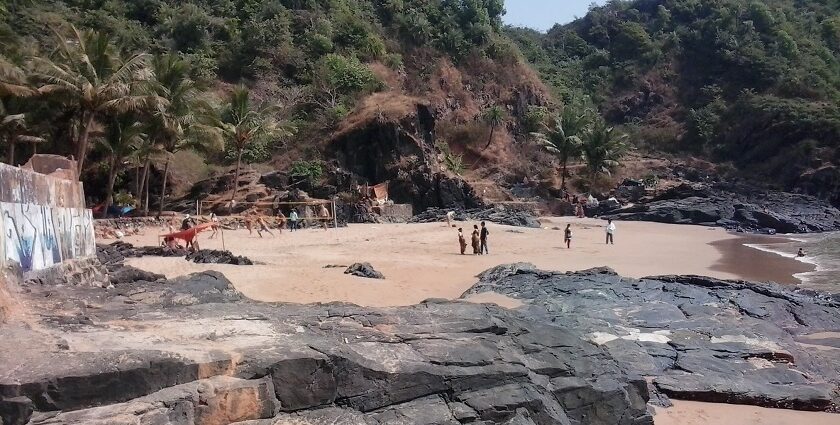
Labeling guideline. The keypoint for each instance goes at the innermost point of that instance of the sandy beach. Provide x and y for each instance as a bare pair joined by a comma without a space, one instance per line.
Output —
421,261
696,413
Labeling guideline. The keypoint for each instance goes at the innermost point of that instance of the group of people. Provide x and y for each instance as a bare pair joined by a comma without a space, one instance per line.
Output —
479,240
480,235
610,233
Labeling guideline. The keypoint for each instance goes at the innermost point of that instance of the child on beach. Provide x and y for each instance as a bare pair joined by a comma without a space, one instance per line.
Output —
568,236
462,241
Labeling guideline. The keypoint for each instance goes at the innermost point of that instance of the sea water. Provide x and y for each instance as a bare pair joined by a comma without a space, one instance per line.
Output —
821,250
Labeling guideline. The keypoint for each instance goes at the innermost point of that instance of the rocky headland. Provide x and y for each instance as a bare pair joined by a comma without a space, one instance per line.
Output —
737,207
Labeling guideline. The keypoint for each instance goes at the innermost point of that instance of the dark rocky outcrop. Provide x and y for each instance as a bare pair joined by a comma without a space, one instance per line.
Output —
114,254
697,338
735,207
193,351
498,215
399,146
212,256
365,270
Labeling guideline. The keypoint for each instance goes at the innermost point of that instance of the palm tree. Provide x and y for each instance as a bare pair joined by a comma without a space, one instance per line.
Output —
243,123
88,71
563,138
186,121
493,116
603,148
122,138
13,85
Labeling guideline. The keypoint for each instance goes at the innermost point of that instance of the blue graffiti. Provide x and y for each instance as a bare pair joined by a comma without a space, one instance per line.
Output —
25,246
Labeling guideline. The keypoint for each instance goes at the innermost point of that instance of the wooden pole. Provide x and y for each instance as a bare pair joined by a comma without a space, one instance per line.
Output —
222,229
335,215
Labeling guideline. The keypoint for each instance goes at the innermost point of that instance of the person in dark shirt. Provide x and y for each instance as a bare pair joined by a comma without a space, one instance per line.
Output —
188,223
567,237
484,234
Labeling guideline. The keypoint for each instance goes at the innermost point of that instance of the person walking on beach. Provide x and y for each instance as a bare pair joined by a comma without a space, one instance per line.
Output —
262,226
476,240
281,220
293,220
324,216
484,233
568,236
610,232
215,220
462,241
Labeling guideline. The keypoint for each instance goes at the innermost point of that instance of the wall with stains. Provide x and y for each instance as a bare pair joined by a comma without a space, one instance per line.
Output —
43,219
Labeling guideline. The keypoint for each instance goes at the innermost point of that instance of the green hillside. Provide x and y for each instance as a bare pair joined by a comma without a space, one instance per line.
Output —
754,83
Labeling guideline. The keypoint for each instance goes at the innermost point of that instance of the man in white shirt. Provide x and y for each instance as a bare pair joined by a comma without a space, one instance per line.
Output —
610,232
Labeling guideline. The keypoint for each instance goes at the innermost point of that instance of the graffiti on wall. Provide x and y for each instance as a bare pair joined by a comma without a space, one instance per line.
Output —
38,236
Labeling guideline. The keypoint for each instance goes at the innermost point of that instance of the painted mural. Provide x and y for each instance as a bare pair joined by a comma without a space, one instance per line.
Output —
43,220
37,237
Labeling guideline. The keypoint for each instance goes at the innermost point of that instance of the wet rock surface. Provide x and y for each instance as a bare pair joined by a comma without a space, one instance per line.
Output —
365,270
496,215
735,207
696,338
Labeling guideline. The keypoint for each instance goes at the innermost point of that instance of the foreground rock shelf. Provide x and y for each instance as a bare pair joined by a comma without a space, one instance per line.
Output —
580,351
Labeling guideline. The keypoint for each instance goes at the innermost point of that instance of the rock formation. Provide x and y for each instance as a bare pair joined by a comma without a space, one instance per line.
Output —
498,215
365,270
735,207
696,338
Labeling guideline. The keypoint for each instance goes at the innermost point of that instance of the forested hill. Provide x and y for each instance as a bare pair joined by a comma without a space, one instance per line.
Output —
125,84
754,83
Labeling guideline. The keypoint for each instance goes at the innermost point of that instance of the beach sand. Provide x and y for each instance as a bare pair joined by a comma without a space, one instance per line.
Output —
696,413
421,261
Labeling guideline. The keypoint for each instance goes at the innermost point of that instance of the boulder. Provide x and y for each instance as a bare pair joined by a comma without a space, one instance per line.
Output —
365,270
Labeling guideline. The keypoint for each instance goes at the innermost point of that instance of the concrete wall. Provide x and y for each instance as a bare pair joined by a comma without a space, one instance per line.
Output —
43,219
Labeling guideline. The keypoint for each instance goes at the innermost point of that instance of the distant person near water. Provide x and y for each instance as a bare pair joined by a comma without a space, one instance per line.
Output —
610,232
293,220
484,234
801,253
462,241
476,240
567,237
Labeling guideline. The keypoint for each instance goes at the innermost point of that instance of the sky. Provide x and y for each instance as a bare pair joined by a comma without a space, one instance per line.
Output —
543,14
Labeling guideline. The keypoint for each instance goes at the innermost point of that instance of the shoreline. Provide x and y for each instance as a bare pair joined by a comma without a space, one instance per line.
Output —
744,256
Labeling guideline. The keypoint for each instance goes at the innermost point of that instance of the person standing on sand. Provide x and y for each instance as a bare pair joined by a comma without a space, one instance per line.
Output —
568,236
484,233
293,220
462,241
610,232
215,220
281,220
324,216
476,240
